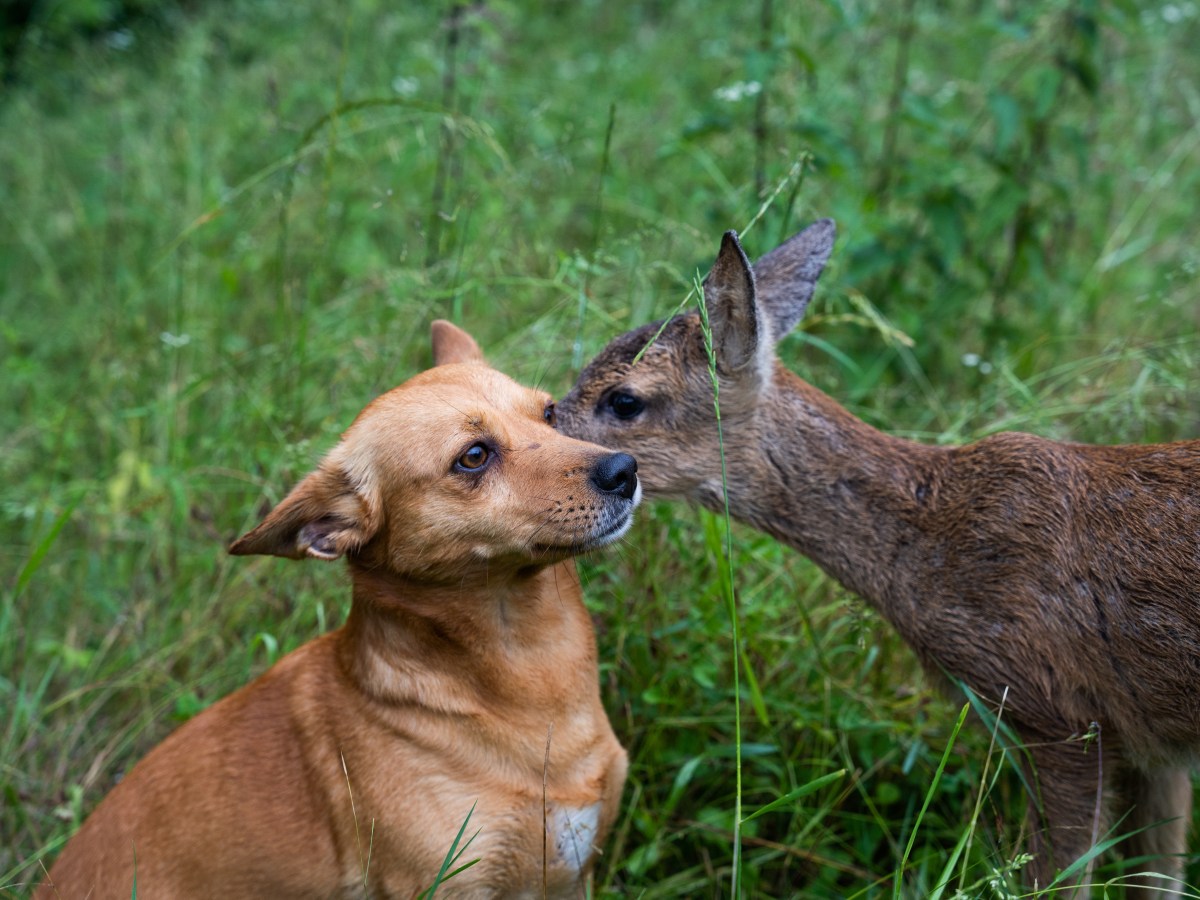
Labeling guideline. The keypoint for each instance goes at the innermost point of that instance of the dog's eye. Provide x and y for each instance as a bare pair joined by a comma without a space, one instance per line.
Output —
474,459
625,406
549,415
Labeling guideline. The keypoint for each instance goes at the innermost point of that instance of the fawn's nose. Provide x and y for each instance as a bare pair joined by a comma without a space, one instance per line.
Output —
616,474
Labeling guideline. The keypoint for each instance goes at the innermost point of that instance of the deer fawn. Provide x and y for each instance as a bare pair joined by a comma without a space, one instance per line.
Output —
1065,574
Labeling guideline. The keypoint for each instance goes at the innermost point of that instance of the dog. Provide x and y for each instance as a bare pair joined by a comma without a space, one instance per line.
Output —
1060,580
455,718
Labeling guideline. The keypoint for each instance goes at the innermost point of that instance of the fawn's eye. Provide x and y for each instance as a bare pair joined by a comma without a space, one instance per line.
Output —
625,406
474,459
549,415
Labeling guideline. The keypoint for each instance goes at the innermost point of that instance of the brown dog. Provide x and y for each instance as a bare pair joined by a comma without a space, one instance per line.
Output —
463,684
1064,578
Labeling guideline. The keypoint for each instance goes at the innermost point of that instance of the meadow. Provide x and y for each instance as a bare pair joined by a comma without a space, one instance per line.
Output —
225,226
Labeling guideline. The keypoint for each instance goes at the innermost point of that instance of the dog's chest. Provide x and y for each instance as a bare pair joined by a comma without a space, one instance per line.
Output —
573,832
510,866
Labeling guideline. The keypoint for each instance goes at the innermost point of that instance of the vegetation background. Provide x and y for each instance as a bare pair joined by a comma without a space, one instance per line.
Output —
225,226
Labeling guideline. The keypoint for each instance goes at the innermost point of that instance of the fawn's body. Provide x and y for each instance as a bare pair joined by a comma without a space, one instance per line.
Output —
1063,579
463,685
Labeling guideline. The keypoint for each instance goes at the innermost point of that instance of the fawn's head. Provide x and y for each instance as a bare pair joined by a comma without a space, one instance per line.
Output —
458,471
661,406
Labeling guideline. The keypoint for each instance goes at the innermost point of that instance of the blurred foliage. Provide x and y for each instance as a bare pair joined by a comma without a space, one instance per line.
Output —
224,227
28,25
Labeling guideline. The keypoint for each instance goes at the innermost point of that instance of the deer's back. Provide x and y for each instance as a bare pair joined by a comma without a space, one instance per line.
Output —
1071,570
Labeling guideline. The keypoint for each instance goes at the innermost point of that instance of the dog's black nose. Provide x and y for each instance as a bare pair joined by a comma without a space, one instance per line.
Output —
616,474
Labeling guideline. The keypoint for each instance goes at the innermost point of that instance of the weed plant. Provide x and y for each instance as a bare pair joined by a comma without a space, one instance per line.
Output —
221,235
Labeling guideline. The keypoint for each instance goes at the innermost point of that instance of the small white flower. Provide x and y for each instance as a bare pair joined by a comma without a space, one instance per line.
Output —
945,93
121,39
731,93
970,360
405,85
175,340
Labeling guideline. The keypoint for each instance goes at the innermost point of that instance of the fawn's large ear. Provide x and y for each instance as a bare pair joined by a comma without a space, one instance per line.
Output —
453,345
325,517
732,311
788,274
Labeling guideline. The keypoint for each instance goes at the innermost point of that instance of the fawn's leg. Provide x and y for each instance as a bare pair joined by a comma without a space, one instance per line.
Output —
1160,804
1067,813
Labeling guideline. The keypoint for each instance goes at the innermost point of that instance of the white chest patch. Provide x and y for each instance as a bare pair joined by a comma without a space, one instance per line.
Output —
573,830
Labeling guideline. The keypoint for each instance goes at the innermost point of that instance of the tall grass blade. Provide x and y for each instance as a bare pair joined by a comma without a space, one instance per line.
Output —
984,789
757,700
364,862
597,221
959,852
937,777
728,590
452,855
792,796
38,556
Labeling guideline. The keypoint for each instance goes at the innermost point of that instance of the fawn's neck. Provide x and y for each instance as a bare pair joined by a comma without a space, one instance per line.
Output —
845,495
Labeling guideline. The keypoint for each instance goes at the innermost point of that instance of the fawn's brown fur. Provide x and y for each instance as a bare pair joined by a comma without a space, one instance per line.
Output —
463,684
1065,574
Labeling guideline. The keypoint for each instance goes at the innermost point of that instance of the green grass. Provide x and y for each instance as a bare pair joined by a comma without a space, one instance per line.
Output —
218,243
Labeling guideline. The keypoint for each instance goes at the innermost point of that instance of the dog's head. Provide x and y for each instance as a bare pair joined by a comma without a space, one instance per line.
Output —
458,470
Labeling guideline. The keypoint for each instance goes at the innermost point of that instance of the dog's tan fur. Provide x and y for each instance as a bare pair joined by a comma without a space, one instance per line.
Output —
348,768
1063,574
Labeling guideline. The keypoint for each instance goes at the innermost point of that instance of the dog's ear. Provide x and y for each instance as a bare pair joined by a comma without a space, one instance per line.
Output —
453,345
737,328
325,517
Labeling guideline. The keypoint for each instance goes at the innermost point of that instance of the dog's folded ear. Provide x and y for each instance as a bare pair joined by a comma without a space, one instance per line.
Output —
453,345
324,517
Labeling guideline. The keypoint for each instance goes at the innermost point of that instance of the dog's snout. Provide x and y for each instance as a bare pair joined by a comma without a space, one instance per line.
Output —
616,474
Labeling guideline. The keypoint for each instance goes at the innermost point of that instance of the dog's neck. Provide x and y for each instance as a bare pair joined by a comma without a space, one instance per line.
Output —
515,642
